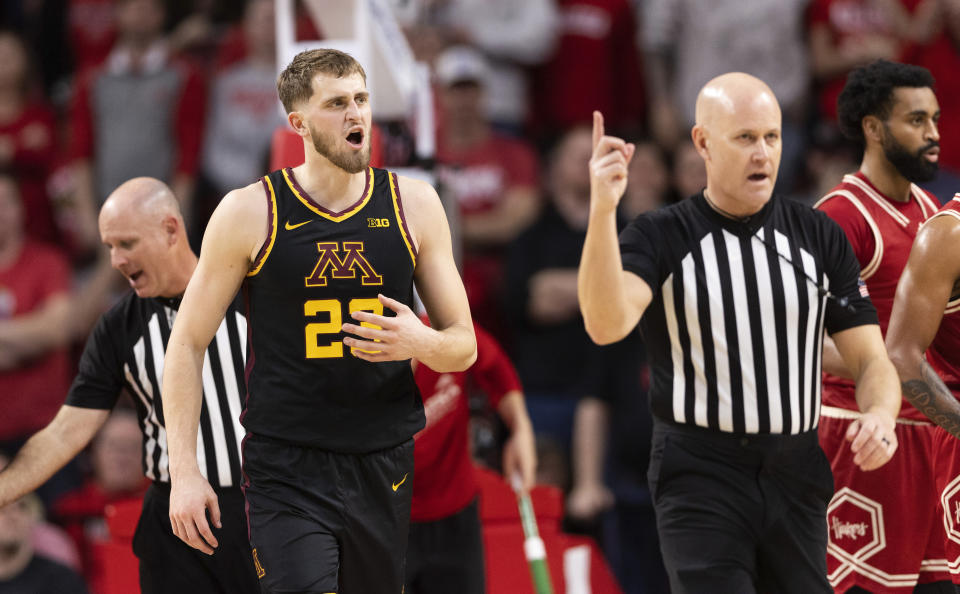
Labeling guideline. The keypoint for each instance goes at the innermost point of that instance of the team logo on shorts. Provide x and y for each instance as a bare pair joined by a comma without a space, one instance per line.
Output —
256,564
855,528
950,499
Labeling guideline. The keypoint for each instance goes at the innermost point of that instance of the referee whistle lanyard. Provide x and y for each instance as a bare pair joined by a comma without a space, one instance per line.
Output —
533,547
842,301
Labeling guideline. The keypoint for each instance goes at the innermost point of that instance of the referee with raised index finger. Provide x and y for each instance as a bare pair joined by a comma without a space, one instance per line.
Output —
733,289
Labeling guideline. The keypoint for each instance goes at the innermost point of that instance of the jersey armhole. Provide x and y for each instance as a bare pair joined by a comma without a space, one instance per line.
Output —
401,218
871,267
271,227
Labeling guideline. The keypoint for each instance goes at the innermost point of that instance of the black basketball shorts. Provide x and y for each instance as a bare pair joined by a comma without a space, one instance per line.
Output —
325,522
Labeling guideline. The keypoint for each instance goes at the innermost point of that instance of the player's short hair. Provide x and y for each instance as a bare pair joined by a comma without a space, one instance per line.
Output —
869,91
295,83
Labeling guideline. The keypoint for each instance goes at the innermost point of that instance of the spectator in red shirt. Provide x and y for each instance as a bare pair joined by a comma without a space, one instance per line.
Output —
27,137
595,66
492,177
92,31
845,34
140,114
34,325
445,549
34,284
935,48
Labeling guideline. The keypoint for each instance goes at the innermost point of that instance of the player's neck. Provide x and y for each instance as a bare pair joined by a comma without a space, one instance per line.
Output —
885,177
327,184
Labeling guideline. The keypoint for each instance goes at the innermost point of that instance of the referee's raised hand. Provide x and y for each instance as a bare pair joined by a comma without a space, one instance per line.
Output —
608,167
190,498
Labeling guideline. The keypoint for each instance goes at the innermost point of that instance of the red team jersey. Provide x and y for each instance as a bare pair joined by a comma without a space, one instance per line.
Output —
881,232
443,476
875,541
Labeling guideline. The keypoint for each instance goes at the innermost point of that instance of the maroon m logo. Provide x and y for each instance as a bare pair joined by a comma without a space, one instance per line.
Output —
335,265
331,263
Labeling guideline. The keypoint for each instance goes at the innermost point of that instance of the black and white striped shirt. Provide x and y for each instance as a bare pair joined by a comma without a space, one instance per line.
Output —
126,350
735,330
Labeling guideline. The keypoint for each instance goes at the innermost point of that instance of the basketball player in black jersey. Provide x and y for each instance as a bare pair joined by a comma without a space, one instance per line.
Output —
327,254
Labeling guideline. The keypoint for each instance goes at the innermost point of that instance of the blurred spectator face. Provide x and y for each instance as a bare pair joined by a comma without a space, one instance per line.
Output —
17,520
461,72
570,171
116,454
570,177
140,246
16,527
826,163
462,101
911,141
140,18
648,180
258,27
689,172
11,210
13,61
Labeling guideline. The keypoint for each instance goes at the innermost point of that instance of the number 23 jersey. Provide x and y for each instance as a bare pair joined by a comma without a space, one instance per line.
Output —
316,267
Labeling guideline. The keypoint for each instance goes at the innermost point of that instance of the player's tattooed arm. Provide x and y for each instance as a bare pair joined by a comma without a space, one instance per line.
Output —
932,397
923,293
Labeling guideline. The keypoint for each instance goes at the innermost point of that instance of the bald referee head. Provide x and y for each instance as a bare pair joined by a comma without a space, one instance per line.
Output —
737,133
142,226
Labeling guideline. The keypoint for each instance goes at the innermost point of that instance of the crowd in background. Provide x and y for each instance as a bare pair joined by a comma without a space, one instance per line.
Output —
94,92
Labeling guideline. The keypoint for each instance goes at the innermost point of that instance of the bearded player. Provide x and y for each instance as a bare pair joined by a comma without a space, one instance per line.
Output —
328,254
889,109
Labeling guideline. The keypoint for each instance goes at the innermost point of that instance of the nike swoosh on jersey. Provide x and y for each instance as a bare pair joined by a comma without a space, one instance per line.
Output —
397,485
290,227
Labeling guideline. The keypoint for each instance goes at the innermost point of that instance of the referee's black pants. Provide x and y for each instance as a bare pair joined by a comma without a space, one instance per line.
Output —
170,566
740,513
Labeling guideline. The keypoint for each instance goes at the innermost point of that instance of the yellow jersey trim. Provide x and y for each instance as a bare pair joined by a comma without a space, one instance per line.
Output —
336,217
401,221
273,228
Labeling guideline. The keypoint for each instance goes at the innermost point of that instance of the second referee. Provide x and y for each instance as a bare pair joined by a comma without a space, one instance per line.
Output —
733,289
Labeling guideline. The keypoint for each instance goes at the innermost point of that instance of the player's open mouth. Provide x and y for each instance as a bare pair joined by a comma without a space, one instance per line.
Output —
756,177
355,139
933,155
133,277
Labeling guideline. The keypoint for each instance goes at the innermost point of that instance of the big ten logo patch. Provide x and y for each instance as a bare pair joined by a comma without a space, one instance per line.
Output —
256,564
378,223
342,263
